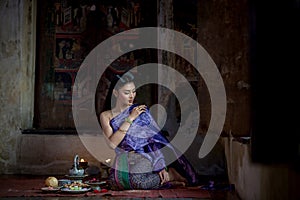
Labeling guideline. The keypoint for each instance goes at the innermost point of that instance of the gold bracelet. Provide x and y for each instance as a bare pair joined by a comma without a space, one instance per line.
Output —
123,131
128,120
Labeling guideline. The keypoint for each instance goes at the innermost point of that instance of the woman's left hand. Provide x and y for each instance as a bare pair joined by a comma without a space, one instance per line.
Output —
164,176
137,111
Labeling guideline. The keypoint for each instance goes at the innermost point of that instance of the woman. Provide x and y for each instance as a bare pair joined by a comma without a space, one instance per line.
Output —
137,141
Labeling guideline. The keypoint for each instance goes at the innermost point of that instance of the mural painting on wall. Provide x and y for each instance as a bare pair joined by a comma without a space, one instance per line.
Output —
71,30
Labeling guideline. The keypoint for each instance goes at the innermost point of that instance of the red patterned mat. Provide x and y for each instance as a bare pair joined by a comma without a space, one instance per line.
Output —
31,187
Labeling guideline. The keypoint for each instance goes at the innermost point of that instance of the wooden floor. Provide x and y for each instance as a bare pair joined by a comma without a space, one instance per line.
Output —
28,187
222,189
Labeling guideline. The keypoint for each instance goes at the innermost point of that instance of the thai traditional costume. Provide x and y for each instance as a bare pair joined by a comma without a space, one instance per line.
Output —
139,156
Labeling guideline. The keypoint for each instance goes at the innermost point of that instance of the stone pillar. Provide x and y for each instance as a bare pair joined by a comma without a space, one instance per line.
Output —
166,20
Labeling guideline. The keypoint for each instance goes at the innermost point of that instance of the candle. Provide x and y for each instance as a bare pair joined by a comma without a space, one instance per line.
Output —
83,163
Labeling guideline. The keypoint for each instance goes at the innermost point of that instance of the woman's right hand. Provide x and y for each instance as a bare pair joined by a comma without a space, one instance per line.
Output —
164,176
136,111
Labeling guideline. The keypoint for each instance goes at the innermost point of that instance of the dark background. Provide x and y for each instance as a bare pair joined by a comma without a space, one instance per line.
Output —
274,63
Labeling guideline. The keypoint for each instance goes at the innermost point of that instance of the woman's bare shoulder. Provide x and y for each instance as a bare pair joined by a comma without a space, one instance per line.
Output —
106,114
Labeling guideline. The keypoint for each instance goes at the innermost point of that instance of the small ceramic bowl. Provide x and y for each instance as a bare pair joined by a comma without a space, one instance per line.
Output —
62,182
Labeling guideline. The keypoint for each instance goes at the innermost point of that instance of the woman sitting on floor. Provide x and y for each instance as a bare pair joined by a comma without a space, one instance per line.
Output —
136,138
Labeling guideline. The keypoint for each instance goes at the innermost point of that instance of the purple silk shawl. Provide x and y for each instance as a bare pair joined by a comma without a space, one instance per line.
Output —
144,137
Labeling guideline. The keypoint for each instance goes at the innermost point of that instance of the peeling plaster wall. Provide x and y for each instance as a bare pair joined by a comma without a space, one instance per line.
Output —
11,82
53,154
255,181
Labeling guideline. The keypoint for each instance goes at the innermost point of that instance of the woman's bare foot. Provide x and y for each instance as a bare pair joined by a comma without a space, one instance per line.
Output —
177,183
175,176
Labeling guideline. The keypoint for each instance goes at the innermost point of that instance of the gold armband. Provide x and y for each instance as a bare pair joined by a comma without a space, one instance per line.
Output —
123,131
